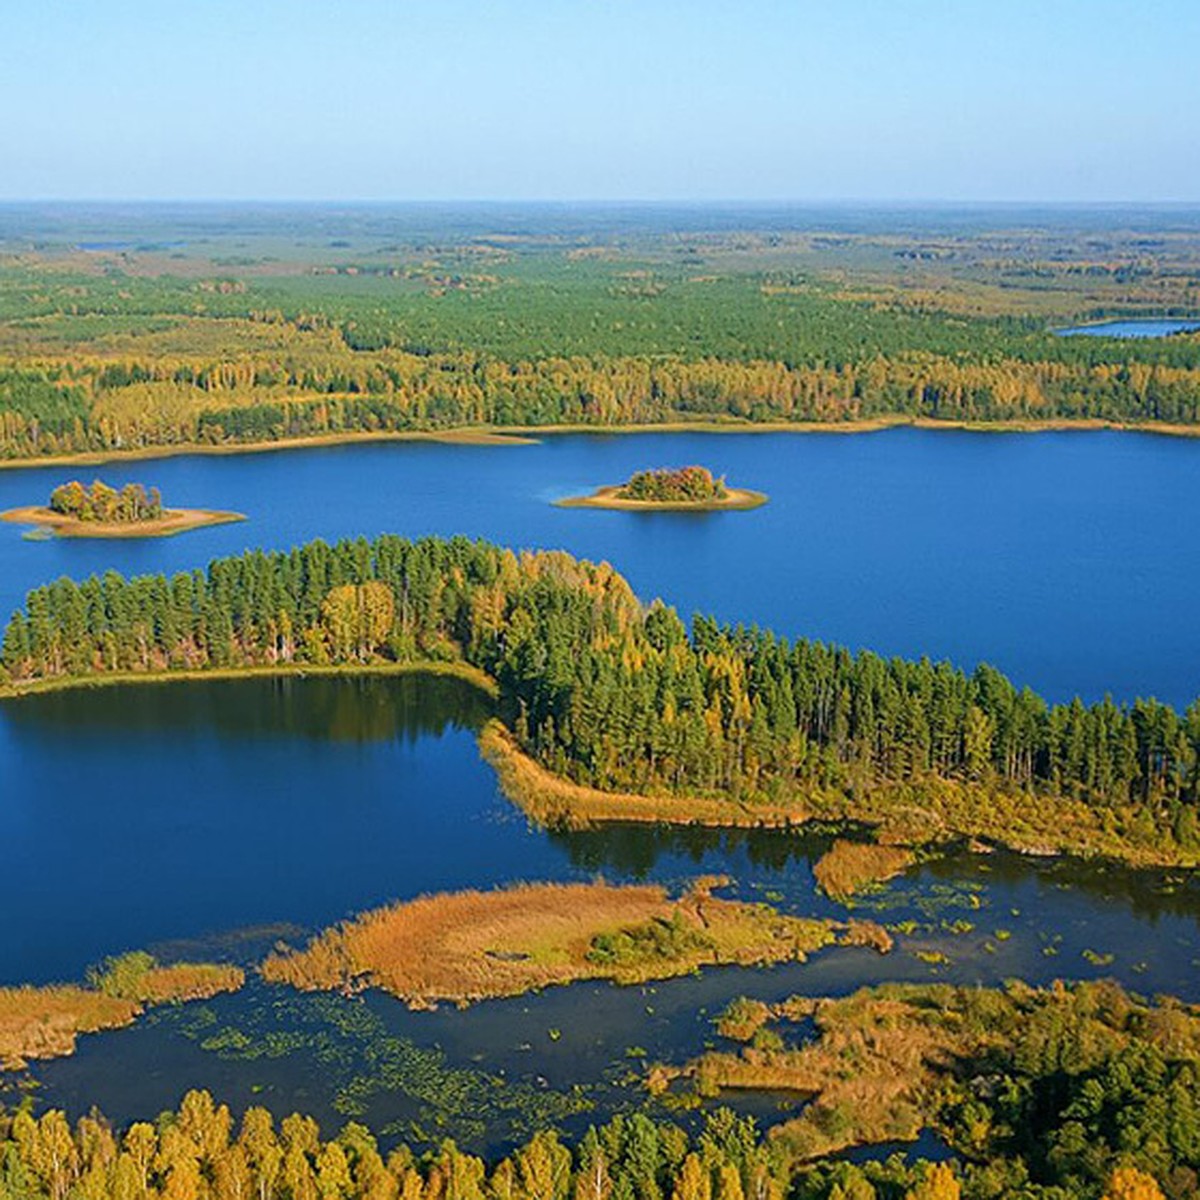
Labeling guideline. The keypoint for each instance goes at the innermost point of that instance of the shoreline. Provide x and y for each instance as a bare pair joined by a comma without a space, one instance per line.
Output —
465,435
1014,822
735,500
102,679
173,521
528,435
943,810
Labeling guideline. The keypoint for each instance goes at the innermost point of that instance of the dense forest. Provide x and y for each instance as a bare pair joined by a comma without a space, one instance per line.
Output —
606,692
120,350
196,1153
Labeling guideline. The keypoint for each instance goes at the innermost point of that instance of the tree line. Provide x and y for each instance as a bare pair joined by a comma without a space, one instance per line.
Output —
608,693
687,484
84,407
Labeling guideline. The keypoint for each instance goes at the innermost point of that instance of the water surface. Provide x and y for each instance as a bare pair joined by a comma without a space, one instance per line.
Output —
210,820
1133,328
1063,558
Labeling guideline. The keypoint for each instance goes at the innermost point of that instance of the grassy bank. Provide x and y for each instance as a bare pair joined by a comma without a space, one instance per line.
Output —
553,800
911,813
469,946
105,679
44,1022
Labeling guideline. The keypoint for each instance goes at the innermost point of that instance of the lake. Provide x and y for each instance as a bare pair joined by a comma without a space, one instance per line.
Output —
1062,558
212,819
1140,327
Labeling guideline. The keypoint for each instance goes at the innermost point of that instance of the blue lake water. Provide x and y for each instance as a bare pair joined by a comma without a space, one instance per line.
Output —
208,820
1133,328
1063,558
211,819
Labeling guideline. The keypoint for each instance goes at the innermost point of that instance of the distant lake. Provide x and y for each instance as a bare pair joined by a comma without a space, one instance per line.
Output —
1134,328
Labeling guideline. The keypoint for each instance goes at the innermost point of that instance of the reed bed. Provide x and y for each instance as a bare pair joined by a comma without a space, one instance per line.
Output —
848,867
44,1022
469,946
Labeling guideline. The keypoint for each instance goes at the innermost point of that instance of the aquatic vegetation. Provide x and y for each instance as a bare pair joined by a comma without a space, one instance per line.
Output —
363,1061
44,1022
934,957
849,867
469,946
743,1018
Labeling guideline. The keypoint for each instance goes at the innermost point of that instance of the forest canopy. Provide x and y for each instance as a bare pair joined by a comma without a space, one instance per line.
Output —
690,485
224,343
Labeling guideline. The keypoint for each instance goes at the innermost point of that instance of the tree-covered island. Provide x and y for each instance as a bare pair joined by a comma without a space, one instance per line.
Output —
682,488
100,511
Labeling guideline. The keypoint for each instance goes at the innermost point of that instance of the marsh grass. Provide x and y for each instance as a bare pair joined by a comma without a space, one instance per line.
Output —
849,867
43,1022
469,946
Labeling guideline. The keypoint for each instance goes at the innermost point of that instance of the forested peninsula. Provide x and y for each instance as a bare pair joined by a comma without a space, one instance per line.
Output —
612,709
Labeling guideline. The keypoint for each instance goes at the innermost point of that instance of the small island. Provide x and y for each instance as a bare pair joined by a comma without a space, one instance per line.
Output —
682,489
464,947
100,511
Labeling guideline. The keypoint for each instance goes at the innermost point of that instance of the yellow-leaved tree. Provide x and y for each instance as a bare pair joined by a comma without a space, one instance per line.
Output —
1128,1183
358,618
939,1184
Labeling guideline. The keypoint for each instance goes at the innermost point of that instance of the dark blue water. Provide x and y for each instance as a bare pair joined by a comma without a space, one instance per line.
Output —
1063,558
206,820
1135,328
209,819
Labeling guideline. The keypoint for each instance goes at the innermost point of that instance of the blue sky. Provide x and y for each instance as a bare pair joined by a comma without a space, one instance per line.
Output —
1059,100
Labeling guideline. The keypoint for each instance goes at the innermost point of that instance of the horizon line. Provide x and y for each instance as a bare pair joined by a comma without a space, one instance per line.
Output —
601,202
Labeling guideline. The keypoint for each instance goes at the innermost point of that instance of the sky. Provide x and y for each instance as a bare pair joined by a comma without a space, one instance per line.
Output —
697,100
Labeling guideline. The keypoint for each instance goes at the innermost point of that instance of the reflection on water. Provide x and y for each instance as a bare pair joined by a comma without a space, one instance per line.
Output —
336,708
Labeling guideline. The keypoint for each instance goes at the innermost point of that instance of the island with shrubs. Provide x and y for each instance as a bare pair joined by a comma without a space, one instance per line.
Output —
671,489
101,511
